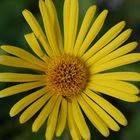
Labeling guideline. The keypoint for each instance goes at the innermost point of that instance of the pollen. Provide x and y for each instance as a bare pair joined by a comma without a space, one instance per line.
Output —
66,75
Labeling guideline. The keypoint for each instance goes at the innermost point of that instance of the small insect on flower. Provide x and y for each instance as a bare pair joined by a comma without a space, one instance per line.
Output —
71,73
68,99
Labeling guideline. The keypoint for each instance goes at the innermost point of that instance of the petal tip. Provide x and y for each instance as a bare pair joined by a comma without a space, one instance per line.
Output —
34,129
136,43
2,47
107,133
130,30
123,23
105,11
21,121
137,99
11,113
58,134
117,129
124,122
93,7
24,11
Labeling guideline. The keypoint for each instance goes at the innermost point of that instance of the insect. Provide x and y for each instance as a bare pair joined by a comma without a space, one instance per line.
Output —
67,98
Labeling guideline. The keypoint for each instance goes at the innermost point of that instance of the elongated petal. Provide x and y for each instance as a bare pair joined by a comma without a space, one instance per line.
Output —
24,102
74,131
117,53
24,55
93,117
95,29
34,108
52,120
84,28
105,39
31,20
61,123
17,62
48,27
33,43
44,114
16,77
102,114
114,92
55,23
21,88
80,121
66,21
125,76
123,60
110,47
108,107
118,85
73,24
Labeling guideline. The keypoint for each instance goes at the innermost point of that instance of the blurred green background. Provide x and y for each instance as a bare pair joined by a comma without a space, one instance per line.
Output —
12,29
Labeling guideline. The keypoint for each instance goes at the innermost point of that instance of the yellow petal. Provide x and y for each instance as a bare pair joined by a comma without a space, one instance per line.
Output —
114,92
62,118
95,29
31,20
120,61
102,114
79,120
108,107
52,120
84,28
20,88
73,24
16,51
125,76
118,85
74,131
66,15
93,117
105,39
34,108
48,27
24,102
110,47
33,43
17,62
16,77
55,23
41,118
117,53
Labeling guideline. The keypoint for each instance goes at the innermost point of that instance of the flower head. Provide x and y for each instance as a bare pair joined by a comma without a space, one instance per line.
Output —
71,74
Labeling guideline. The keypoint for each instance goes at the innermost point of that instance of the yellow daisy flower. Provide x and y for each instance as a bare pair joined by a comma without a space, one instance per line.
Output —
71,74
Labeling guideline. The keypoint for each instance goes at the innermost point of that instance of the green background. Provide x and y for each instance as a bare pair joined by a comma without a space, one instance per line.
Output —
12,29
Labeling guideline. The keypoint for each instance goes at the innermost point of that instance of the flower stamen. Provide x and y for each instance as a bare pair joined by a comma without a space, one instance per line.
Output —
66,75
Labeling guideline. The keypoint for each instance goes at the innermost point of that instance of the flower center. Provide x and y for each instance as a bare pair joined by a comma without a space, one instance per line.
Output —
66,75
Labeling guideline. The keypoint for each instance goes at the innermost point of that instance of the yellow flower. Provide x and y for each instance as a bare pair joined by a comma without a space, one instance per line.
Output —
71,74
